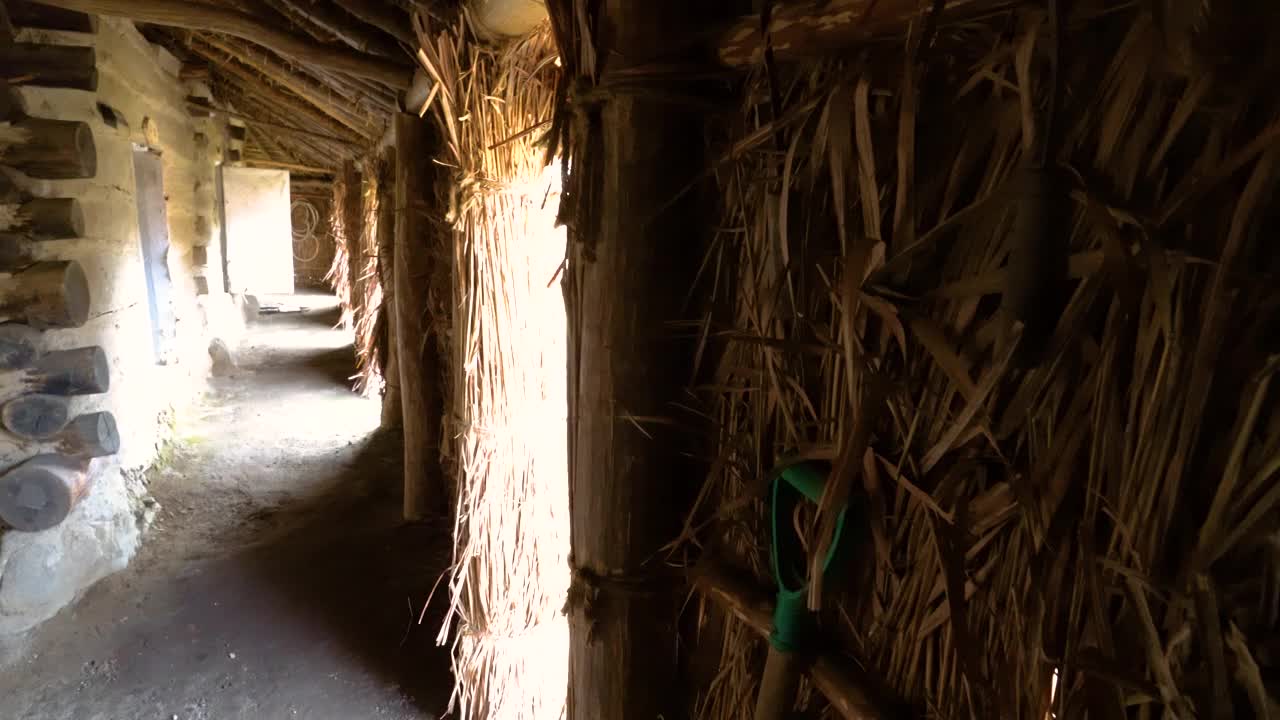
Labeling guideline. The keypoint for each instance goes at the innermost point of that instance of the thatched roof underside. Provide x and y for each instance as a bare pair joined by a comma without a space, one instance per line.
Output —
1088,492
302,117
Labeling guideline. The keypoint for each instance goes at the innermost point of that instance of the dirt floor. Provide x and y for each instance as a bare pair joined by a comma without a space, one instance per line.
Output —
277,581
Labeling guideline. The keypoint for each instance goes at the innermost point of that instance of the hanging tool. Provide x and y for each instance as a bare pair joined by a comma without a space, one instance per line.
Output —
793,623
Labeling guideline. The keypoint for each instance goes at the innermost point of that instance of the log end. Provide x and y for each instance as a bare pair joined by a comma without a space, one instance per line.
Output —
36,417
19,346
91,436
40,493
82,371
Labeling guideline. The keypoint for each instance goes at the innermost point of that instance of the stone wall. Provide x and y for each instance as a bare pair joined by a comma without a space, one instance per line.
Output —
42,572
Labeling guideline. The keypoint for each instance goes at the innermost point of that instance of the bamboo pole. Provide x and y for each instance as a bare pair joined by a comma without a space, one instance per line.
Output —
417,352
201,16
627,374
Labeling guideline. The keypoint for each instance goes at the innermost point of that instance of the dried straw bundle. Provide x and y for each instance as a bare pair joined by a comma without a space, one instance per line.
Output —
511,539
1091,516
342,225
354,275
1107,515
369,315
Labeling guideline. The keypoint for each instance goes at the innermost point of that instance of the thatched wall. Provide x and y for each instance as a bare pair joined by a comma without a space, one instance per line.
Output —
1056,435
505,325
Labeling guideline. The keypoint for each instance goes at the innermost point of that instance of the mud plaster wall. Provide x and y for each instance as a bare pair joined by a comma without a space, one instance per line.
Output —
42,572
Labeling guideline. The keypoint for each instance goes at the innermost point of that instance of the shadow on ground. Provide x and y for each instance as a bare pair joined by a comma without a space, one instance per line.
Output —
278,582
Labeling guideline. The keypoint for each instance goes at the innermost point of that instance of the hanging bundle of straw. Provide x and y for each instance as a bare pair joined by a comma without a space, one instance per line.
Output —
509,406
355,275
1095,531
368,310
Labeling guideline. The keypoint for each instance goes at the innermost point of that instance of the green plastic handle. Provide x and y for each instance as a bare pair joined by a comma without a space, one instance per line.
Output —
792,621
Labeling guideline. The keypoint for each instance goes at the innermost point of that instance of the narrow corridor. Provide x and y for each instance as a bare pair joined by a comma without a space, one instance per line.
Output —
277,580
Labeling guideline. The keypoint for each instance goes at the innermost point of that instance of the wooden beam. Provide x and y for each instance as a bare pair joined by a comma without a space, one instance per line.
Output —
629,370
252,85
818,28
52,66
417,351
285,77
357,35
44,17
201,16
291,167
387,18
276,126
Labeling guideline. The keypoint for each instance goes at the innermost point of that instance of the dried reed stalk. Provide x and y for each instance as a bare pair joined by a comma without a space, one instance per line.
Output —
354,274
1109,518
511,568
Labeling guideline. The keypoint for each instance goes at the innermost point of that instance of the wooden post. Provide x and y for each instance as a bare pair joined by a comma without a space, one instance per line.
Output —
25,13
40,493
47,294
420,370
52,149
628,372
54,66
392,411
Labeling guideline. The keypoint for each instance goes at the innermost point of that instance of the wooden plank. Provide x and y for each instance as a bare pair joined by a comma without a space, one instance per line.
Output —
53,66
417,351
201,16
